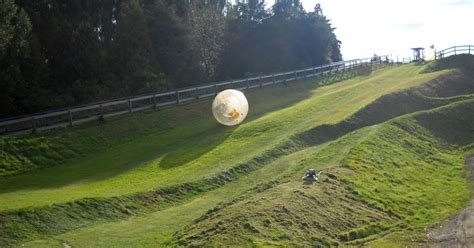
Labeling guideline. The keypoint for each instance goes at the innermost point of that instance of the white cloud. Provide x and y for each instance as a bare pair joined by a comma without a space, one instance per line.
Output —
366,27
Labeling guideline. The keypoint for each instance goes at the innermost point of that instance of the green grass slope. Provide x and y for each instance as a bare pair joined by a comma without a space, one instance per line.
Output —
463,62
196,147
162,170
401,177
65,147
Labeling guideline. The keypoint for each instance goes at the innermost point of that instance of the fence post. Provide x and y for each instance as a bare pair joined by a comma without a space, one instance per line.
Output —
70,118
320,72
33,122
469,49
454,50
101,112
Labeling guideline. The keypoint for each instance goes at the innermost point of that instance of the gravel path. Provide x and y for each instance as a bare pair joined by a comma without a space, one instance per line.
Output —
458,231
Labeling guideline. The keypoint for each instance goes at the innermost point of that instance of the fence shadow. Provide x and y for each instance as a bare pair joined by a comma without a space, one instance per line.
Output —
335,77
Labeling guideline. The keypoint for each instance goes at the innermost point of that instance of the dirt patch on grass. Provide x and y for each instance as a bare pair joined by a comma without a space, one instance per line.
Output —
457,231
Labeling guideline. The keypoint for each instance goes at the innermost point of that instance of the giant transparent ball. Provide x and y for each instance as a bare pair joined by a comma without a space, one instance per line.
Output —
230,107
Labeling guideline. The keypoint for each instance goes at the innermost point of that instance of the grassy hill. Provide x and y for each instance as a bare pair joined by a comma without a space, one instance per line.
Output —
397,177
390,143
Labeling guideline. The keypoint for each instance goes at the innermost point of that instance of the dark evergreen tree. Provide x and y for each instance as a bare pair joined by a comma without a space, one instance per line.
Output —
56,53
132,51
257,42
15,29
207,23
172,45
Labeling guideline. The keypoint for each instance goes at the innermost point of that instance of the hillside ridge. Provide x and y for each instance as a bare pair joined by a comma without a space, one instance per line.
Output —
109,209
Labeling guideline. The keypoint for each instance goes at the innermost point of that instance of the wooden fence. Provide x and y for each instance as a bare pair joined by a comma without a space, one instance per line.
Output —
455,50
103,110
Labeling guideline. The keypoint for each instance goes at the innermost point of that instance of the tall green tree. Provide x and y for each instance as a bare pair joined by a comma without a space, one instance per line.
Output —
207,22
172,45
56,53
288,8
242,39
133,58
258,41
68,38
15,29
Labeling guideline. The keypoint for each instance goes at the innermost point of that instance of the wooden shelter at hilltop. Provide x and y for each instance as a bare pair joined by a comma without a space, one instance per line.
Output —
418,53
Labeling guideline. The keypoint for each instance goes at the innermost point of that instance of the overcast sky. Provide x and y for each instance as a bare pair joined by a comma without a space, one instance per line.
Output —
366,27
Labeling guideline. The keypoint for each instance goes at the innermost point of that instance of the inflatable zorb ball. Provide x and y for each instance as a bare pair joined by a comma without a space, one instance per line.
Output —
230,107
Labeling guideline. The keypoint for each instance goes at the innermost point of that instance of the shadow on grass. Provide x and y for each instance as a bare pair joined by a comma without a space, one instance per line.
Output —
118,160
122,158
199,144
463,62
196,147
126,157
453,127
308,182
383,109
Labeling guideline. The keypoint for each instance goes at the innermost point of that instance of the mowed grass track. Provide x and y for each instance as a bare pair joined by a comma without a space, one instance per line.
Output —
397,178
271,206
157,228
193,146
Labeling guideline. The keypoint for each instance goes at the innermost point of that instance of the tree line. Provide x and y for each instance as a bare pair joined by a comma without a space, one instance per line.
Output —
58,53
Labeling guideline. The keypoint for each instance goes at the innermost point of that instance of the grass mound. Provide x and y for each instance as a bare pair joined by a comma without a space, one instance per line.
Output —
168,126
402,176
288,212
463,62
437,92
28,223
58,147
166,157
149,170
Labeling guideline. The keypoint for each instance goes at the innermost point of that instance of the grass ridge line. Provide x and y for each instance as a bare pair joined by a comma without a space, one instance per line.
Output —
31,223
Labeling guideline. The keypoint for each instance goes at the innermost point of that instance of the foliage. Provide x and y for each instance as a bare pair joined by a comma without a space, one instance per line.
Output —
133,56
112,161
206,21
15,28
60,53
253,34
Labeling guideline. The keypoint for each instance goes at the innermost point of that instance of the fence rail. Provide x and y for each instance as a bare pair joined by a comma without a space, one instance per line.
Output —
102,110
455,50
